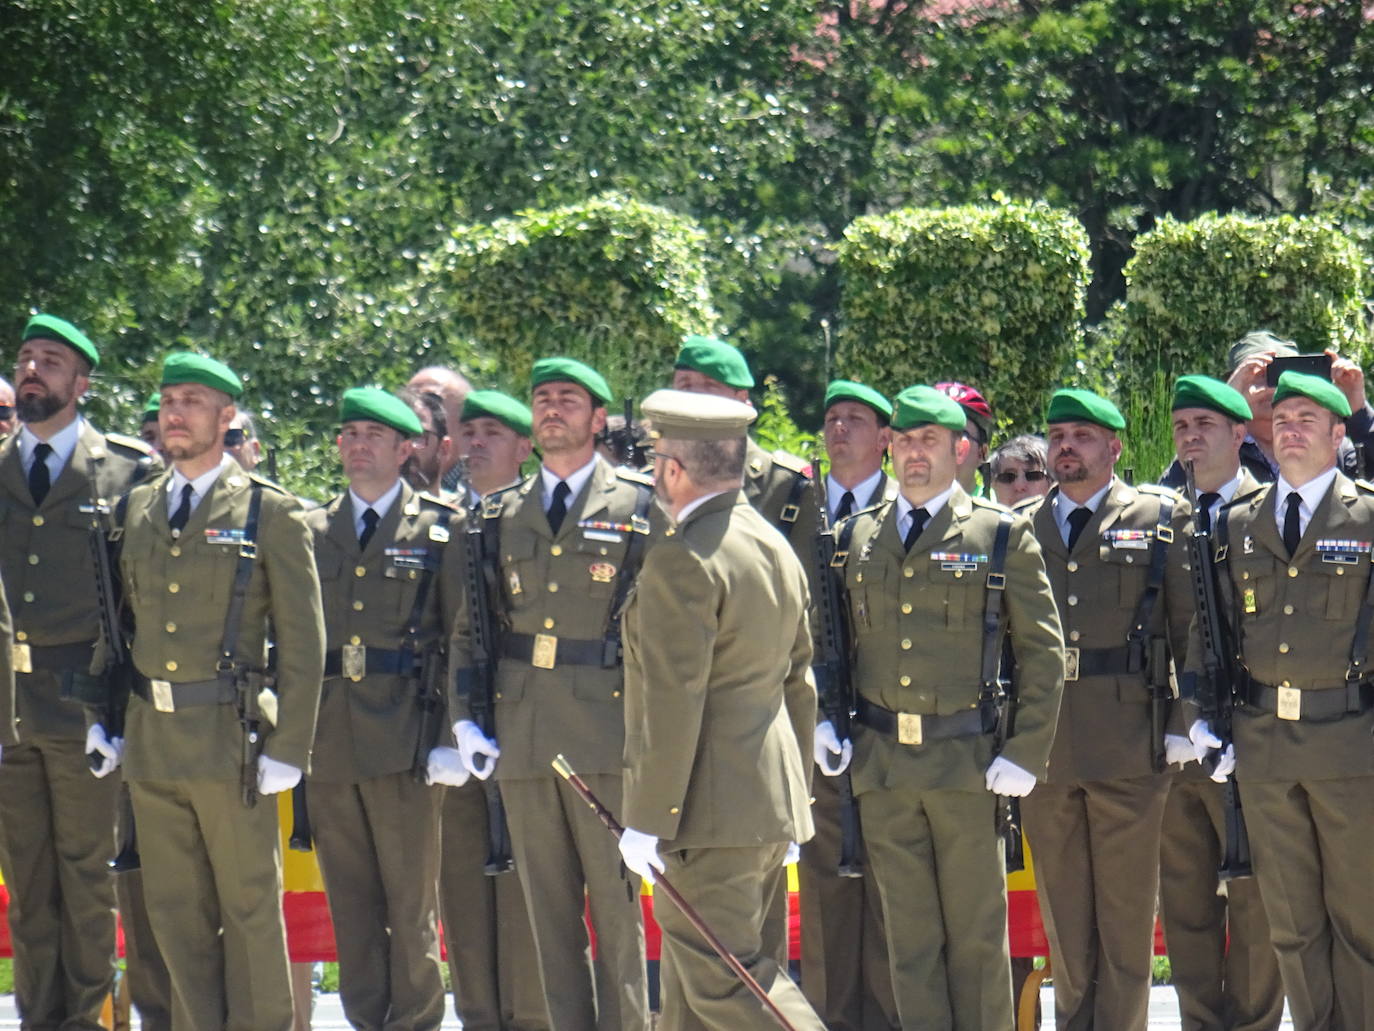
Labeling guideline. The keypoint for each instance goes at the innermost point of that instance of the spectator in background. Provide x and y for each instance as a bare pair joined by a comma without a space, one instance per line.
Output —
7,419
1019,470
453,388
241,442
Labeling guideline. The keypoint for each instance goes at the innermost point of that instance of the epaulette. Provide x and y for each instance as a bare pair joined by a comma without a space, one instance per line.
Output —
127,443
1027,506
991,503
635,476
792,463
270,484
1159,491
436,500
876,510
1365,485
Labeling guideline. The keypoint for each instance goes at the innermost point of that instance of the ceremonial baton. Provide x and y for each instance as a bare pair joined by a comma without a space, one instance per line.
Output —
662,884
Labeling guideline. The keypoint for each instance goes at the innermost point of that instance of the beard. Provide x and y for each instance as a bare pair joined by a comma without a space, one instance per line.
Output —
38,409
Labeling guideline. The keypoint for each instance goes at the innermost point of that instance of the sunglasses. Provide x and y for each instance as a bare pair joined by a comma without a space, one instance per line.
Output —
6,411
1010,475
234,437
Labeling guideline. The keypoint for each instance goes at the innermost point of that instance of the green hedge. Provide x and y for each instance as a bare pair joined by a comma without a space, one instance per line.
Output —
992,296
1194,288
613,281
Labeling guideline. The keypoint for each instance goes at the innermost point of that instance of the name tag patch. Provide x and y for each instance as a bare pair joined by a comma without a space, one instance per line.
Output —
1342,552
1131,540
408,558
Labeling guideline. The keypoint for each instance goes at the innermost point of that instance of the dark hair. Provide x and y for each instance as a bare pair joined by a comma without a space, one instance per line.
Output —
430,402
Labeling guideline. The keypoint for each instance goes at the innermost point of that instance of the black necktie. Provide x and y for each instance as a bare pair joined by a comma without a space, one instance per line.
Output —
1078,519
183,512
559,508
1204,510
846,506
39,478
919,518
370,519
1292,524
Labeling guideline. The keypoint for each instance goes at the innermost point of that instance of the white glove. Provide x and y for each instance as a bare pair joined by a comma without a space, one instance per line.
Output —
1204,741
640,852
445,766
1178,749
275,777
1226,765
1006,778
477,751
826,746
110,750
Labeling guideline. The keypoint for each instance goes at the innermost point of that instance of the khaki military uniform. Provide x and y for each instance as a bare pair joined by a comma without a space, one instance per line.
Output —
376,827
557,697
844,966
1095,824
56,820
719,717
214,866
930,825
1307,778
1223,965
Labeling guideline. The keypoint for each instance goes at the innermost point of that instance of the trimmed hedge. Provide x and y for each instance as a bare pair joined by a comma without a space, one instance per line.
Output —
1194,288
991,296
612,281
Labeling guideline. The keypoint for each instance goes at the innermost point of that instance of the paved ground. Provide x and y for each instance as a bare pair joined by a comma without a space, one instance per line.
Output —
329,1014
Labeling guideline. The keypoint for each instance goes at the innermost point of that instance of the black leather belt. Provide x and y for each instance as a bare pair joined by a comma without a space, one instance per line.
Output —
58,658
917,728
545,651
1097,662
1314,705
375,660
168,697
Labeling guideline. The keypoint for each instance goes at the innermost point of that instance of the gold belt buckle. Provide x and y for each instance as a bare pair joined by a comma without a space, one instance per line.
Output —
545,651
354,661
1290,704
1070,664
162,696
909,728
21,658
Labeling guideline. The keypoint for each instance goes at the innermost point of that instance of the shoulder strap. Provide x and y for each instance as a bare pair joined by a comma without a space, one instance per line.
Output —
629,571
787,518
1154,583
417,609
1359,644
243,572
992,605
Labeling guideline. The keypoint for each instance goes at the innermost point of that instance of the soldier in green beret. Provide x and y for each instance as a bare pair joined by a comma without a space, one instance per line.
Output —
390,562
1294,564
708,710
930,748
1224,969
844,965
211,556
59,479
487,930
1117,560
568,544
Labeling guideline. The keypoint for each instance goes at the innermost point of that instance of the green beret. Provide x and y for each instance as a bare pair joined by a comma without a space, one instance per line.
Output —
153,406
687,415
50,327
848,390
1084,406
492,404
570,370
717,359
1322,391
1206,392
373,404
923,406
1259,342
188,367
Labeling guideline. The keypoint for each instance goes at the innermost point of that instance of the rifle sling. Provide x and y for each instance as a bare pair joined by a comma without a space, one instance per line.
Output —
1154,583
243,572
625,578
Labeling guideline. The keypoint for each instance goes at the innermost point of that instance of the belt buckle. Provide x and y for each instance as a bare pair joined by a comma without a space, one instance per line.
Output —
354,661
162,695
21,658
545,651
1070,665
909,728
1289,704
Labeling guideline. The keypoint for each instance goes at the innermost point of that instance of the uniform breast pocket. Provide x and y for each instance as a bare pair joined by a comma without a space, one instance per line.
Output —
1256,579
1342,585
520,574
1124,573
959,588
868,594
602,561
208,568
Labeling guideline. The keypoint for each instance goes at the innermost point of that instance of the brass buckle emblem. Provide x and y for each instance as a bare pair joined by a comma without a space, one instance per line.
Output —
162,696
1070,665
909,728
21,658
545,651
1290,704
354,661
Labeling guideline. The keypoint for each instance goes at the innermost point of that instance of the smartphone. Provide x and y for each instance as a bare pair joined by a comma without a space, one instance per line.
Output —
1312,364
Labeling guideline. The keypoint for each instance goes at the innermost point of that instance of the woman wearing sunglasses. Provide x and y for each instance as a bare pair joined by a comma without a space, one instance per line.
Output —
1018,470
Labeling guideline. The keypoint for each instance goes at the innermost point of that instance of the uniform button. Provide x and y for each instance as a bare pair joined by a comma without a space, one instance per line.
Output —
1130,558
1073,566
603,551
171,628
615,694
1245,575
906,608
1286,683
958,573
498,694
906,644
176,551
357,606
172,588
556,550
1073,599
908,572
548,624
355,640
1340,571
674,810
360,571
28,596
21,635
1283,647
904,680
858,578
1074,635
33,560
1288,610
171,665
38,520
553,588
1292,570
